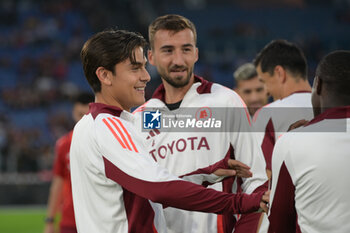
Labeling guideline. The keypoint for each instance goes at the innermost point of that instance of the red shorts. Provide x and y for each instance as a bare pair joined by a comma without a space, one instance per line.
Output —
65,229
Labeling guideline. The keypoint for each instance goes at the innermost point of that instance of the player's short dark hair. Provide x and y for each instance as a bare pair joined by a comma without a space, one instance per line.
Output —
106,49
171,22
334,71
83,98
285,54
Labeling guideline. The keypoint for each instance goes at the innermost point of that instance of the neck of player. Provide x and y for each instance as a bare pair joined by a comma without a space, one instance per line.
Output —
176,94
109,100
296,86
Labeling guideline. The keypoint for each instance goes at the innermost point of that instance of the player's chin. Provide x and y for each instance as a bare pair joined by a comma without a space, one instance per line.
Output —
181,80
178,75
140,101
256,105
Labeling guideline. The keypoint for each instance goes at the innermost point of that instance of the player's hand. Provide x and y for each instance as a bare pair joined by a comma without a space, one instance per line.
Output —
236,168
49,228
265,200
241,169
297,124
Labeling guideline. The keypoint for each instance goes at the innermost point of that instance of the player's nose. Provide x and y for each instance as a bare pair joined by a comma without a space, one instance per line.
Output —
178,58
145,76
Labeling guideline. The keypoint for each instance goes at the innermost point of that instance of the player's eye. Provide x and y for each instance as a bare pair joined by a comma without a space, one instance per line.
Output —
135,68
167,50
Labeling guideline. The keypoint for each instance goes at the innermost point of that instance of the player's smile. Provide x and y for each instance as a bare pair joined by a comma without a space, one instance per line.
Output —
141,89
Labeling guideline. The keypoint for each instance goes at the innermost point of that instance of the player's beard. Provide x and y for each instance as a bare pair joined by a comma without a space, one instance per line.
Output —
178,81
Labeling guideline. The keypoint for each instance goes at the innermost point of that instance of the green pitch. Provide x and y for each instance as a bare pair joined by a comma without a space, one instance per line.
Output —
22,220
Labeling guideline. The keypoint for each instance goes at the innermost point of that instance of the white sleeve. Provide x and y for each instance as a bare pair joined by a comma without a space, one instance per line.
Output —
245,145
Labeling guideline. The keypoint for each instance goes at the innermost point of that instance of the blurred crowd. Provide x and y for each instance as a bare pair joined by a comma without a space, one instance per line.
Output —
38,43
40,68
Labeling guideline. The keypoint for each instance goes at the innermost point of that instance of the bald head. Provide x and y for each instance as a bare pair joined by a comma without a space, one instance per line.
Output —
332,81
334,70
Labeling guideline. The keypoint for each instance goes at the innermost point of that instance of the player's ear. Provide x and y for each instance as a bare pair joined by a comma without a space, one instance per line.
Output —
318,85
281,73
150,57
104,76
197,54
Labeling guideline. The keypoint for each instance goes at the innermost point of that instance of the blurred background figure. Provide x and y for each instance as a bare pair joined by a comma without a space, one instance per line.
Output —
60,197
250,88
282,67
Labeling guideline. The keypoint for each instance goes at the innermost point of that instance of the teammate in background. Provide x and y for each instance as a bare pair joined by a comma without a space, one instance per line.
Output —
307,197
115,183
250,88
60,197
282,67
173,51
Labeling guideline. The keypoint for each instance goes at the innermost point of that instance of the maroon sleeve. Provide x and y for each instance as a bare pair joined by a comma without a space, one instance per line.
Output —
250,222
210,169
268,143
185,195
283,216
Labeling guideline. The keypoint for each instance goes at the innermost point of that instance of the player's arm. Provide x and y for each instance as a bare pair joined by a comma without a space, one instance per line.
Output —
297,124
264,129
283,216
55,194
217,172
246,149
127,163
54,200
